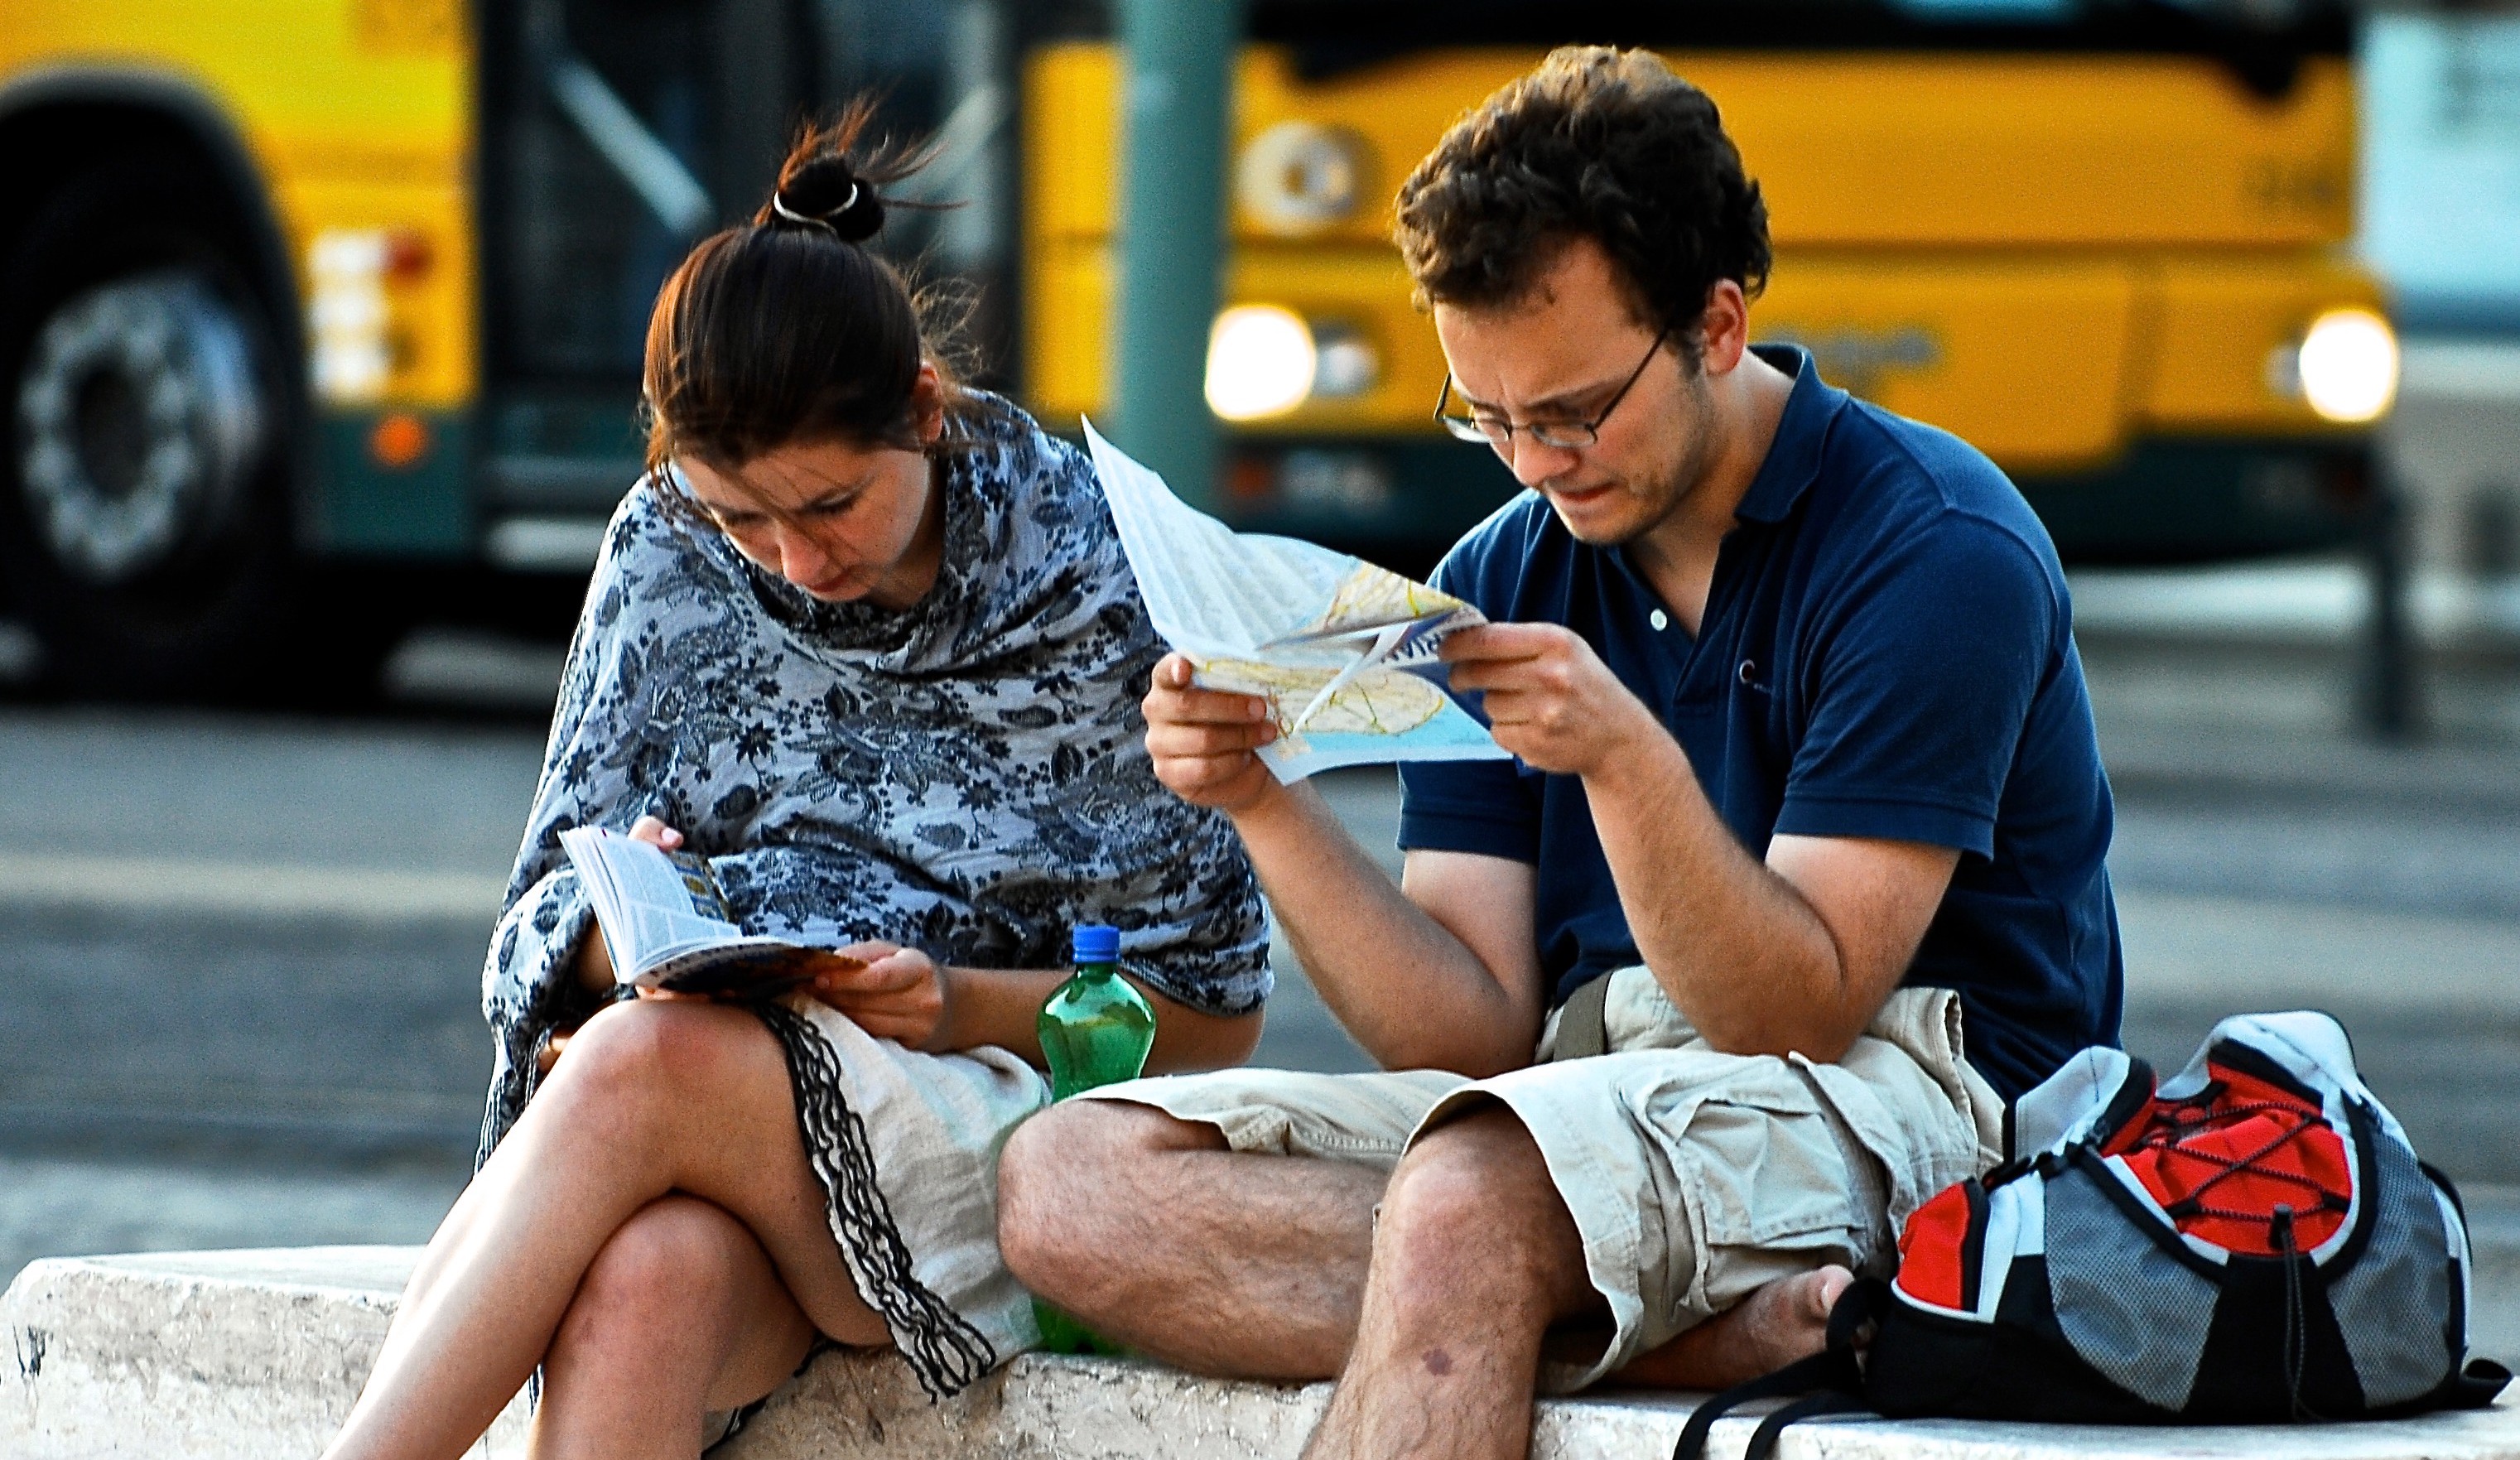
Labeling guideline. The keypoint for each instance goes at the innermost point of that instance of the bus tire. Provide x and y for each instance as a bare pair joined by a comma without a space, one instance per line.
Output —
146,443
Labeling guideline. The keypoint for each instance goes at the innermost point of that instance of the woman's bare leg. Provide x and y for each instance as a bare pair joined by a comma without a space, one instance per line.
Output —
652,1097
681,1314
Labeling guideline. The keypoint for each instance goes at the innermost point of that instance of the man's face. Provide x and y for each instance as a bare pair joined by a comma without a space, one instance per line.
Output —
1558,355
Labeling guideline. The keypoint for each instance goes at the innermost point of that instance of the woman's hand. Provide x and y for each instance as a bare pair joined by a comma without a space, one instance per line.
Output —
594,959
1202,739
655,833
900,994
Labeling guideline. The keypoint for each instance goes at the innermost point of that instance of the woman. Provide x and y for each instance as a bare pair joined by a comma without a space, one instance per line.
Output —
866,638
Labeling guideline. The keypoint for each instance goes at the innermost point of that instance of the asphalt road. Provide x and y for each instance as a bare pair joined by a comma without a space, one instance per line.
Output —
238,956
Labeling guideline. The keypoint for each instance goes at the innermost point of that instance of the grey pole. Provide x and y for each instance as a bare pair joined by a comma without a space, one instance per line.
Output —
2391,698
1173,110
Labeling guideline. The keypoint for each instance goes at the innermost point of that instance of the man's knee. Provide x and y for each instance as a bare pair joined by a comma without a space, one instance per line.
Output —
673,1256
1061,1169
1473,1203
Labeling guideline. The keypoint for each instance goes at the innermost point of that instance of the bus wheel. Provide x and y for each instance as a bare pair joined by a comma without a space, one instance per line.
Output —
143,523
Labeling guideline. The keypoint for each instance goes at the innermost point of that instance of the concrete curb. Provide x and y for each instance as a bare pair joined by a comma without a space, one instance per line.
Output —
179,1355
250,1356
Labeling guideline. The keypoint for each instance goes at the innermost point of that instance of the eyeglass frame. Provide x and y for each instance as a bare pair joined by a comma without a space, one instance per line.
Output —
1467,428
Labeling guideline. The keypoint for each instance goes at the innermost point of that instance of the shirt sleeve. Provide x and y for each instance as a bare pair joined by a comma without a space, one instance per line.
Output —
1921,688
1468,806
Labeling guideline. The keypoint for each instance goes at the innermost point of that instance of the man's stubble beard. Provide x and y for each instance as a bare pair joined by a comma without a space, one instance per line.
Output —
1675,484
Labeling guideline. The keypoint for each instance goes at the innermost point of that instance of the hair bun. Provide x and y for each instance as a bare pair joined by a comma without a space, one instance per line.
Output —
827,192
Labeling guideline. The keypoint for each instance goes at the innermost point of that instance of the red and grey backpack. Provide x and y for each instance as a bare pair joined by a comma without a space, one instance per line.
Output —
2254,1241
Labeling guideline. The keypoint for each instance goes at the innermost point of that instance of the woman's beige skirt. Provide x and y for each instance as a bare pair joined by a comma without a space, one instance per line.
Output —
906,1148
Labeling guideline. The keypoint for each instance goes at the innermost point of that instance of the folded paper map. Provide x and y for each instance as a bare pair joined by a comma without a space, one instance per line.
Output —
1343,651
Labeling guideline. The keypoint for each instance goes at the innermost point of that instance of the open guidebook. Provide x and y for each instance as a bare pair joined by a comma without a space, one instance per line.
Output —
1343,651
667,926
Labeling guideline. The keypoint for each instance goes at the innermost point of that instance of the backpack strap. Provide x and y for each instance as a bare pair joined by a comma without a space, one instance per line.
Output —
1830,1382
2476,1386
1763,1440
1584,1022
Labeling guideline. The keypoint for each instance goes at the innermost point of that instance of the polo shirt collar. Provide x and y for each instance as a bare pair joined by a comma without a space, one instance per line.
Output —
1794,456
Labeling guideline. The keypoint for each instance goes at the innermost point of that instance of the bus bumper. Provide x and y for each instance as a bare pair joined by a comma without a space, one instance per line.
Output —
2164,500
393,484
2198,500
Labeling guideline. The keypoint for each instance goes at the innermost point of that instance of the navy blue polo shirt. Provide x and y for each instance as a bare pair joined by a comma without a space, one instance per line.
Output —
1887,651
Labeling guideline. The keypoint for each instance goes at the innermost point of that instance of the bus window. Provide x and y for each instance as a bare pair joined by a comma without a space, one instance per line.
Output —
577,247
614,133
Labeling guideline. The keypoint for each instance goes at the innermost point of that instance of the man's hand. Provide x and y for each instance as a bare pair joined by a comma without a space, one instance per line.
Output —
1202,739
900,994
1549,696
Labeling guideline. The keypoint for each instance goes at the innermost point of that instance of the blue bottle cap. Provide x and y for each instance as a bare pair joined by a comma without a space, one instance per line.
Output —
1097,942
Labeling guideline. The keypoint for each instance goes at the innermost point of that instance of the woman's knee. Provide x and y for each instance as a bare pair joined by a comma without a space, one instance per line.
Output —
670,1263
661,1047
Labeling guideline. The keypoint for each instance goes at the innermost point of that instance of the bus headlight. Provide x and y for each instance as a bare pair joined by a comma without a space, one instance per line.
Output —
2348,365
1260,362
1300,177
1348,365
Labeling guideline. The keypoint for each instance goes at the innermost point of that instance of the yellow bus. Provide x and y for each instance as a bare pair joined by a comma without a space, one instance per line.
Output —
309,307
298,296
2106,242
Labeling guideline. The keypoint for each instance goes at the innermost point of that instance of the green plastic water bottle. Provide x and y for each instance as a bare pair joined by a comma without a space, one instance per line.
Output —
1095,1031
1095,1027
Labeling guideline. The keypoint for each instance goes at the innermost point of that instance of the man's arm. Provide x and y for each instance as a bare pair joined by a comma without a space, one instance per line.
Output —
1441,976
1795,954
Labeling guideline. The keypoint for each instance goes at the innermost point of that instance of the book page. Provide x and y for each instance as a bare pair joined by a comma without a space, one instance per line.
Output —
751,967
1345,652
650,909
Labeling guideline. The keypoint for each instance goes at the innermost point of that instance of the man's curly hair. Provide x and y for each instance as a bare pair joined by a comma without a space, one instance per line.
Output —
1596,143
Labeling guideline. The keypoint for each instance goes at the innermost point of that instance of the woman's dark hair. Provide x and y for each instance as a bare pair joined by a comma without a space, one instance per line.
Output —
1596,143
789,327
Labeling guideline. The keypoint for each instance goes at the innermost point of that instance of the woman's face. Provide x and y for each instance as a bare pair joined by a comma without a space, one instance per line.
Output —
840,520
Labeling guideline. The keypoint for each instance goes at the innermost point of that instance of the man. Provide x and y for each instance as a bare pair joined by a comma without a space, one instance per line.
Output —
1805,832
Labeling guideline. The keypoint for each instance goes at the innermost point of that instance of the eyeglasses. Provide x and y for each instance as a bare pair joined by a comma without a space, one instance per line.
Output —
1562,436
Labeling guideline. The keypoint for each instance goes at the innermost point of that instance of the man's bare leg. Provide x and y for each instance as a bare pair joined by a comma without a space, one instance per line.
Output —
1256,1266
1473,1259
1776,1324
1154,1234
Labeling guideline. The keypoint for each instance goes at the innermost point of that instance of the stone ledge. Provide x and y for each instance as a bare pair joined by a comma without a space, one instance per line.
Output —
231,1356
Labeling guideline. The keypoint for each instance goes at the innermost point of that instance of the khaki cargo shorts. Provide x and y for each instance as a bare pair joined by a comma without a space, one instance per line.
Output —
1694,1176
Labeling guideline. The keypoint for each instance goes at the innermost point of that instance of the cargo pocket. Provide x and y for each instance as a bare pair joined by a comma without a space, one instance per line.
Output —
1762,1180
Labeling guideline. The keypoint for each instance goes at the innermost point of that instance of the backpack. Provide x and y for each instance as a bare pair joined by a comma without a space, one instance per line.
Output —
2252,1241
